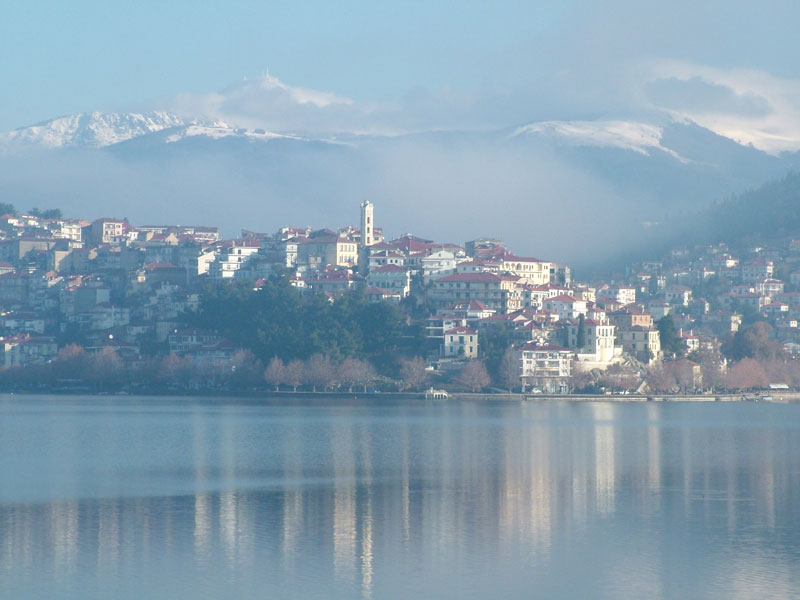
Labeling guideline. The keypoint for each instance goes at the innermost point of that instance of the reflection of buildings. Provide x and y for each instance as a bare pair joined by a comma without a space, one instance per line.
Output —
604,473
349,503
344,503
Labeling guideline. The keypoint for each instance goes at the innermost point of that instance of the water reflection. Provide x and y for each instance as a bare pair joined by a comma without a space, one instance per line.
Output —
453,500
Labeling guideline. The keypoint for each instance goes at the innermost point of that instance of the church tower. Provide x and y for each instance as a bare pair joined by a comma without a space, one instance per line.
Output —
367,225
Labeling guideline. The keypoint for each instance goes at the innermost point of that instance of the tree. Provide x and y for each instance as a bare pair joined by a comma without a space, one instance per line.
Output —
753,342
509,372
474,375
619,377
71,362
581,336
275,373
246,369
495,340
671,342
319,372
661,378
366,374
176,370
354,371
413,373
712,365
684,371
294,373
747,374
7,209
50,213
105,367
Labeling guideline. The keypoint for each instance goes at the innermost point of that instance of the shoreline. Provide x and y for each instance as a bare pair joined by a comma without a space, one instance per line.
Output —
783,397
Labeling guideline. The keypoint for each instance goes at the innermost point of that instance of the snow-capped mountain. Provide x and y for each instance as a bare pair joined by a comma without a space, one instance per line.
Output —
91,129
627,135
102,130
609,175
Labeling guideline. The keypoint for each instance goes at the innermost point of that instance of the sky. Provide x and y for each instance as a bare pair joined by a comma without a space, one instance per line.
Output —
464,75
732,66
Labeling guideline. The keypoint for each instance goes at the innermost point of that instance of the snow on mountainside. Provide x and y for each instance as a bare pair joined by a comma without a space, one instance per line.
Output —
220,130
627,135
91,129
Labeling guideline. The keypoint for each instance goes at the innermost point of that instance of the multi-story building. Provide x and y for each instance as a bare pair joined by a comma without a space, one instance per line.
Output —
757,269
325,248
498,292
105,231
391,277
460,342
565,306
232,257
643,343
598,339
22,350
545,368
530,270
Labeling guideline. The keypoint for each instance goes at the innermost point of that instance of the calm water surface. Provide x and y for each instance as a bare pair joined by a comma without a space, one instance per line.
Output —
176,498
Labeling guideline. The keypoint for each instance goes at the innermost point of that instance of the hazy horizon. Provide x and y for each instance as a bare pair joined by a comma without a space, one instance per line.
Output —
614,92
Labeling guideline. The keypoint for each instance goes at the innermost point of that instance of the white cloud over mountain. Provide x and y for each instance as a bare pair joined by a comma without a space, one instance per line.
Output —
749,106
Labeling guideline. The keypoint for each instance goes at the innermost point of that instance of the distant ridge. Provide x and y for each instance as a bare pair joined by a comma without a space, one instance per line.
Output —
91,129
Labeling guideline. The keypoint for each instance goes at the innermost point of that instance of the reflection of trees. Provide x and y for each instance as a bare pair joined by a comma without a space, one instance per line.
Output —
357,497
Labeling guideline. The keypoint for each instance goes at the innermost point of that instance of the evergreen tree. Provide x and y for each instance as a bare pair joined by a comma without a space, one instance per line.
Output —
671,342
581,336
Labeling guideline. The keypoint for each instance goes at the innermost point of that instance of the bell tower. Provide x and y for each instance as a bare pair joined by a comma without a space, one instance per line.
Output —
367,225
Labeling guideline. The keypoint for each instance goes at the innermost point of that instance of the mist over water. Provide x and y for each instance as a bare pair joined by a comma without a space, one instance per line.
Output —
164,498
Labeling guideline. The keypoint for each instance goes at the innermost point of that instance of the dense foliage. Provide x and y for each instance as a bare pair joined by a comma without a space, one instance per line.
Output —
279,321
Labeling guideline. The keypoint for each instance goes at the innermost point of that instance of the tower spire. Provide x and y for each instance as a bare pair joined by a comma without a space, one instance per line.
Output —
367,225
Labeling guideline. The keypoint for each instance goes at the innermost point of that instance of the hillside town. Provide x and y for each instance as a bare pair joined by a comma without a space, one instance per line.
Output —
481,316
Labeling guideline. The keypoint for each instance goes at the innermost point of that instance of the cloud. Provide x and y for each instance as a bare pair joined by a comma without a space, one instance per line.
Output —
267,102
698,95
748,105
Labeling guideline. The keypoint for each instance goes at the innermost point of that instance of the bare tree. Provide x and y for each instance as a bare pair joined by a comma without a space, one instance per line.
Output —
509,371
354,371
319,372
105,367
686,377
275,373
71,362
366,374
246,369
619,377
348,372
413,373
295,374
661,379
474,375
747,374
175,369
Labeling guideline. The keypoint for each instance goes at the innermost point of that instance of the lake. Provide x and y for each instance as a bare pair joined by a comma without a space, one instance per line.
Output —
124,497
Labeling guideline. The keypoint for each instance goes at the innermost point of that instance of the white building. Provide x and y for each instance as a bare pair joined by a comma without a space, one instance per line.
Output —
438,264
390,277
230,259
531,270
598,346
546,368
460,342
565,306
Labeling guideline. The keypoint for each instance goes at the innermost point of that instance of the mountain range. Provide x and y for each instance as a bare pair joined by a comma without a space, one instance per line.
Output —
600,180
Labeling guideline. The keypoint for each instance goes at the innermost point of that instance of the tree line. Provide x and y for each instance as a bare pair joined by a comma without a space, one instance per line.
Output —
278,320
